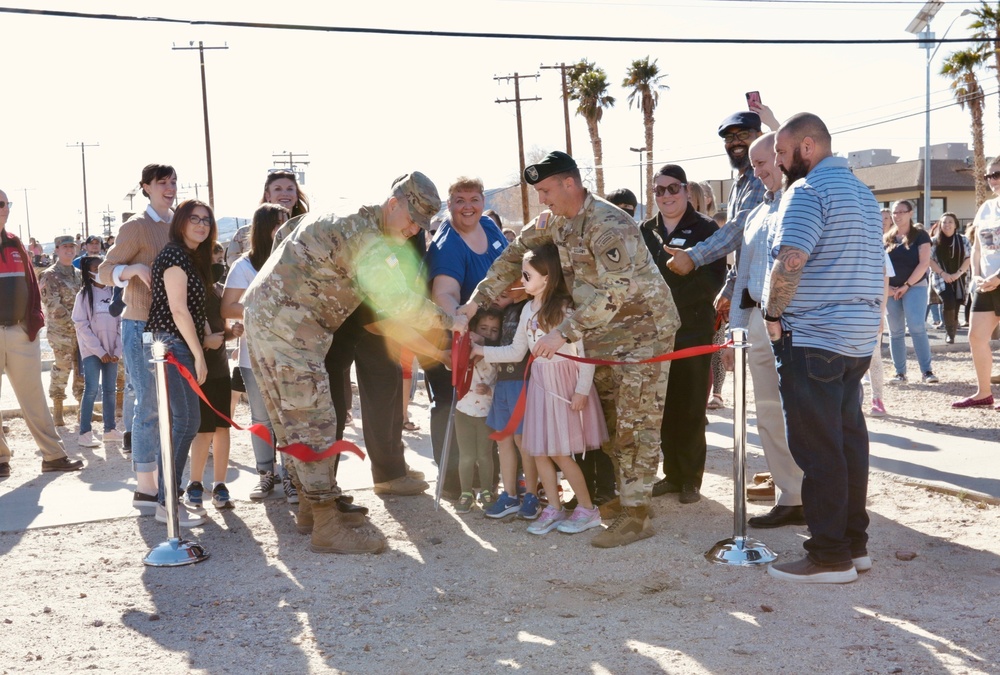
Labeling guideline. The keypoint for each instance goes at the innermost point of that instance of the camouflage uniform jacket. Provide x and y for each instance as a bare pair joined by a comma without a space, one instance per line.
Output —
322,272
620,296
59,285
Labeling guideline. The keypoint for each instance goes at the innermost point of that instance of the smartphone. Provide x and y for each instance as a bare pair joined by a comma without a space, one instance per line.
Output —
753,99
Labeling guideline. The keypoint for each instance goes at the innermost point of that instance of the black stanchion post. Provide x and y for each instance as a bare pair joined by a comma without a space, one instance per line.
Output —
175,551
740,549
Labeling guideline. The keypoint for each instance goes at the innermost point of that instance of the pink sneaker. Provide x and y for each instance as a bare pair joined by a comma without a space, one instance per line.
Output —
878,408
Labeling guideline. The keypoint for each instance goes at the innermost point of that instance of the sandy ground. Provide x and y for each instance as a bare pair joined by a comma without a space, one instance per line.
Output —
457,594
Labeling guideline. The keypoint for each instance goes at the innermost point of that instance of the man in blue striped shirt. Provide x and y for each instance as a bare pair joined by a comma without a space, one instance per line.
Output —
822,303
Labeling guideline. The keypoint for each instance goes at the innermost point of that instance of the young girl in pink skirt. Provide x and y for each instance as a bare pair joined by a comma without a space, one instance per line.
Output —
563,415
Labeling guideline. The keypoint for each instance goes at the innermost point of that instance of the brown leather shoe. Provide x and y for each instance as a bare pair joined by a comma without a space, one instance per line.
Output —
762,491
62,464
778,517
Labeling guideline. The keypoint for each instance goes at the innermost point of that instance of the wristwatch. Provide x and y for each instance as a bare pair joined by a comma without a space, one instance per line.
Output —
768,317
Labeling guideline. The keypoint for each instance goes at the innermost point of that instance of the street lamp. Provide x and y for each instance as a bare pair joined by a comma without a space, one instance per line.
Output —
641,192
920,26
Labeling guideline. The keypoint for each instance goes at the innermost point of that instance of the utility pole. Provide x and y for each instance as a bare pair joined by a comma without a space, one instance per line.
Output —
109,217
565,97
27,215
520,133
204,104
83,158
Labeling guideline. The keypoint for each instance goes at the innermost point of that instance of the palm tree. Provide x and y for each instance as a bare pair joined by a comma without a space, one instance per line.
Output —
643,78
589,87
961,68
987,27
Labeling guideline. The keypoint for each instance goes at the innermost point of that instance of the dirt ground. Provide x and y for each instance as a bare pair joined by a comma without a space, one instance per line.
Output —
457,594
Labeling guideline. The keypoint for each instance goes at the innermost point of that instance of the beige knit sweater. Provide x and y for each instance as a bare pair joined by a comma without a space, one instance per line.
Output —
139,240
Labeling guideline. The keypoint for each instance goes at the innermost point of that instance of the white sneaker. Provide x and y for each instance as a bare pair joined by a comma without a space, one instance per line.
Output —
113,436
87,440
185,518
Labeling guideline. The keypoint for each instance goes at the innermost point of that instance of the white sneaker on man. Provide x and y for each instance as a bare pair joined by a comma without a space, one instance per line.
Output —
113,436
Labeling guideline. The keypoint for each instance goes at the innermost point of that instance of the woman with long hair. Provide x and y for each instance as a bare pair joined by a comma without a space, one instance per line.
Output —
180,275
909,248
950,263
266,221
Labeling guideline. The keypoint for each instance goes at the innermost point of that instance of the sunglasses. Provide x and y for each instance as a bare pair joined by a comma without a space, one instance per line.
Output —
989,176
673,189
4,205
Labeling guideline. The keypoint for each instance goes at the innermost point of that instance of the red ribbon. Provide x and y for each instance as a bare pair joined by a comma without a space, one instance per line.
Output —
518,413
299,451
461,366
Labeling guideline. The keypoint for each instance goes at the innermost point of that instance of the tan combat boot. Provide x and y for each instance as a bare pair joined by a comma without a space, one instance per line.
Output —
331,535
304,518
631,525
57,413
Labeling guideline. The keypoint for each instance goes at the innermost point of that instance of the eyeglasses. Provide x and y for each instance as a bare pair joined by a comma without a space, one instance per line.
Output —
200,220
737,136
989,176
4,205
673,188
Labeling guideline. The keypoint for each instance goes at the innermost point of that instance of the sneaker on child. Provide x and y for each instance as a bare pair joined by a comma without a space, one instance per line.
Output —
548,521
291,494
503,506
465,503
195,497
582,519
220,497
530,507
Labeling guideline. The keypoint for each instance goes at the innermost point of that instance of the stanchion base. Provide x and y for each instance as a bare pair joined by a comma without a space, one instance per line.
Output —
744,551
174,553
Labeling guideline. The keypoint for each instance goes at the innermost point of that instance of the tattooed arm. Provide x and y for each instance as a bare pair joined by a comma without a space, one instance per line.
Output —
785,275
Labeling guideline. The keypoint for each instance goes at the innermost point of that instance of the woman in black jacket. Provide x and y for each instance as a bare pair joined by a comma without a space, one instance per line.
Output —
677,224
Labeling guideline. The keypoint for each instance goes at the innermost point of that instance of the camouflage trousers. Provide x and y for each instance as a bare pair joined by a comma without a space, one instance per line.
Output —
632,398
66,361
296,391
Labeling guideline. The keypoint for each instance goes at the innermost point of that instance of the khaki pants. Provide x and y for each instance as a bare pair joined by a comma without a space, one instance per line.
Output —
21,365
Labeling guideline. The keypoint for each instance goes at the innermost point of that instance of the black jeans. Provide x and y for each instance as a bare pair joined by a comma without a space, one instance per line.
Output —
380,386
829,441
682,431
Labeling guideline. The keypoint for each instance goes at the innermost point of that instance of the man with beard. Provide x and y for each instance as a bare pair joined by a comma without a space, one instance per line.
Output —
739,131
822,305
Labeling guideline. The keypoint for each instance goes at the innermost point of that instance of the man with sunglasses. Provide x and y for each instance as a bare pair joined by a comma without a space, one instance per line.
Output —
20,351
623,312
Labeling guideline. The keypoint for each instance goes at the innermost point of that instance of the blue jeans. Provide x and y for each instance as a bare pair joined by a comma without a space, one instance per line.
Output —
128,400
145,429
909,313
106,374
829,441
185,411
262,452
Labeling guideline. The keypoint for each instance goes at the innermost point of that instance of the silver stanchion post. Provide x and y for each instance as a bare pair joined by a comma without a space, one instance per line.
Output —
175,551
740,549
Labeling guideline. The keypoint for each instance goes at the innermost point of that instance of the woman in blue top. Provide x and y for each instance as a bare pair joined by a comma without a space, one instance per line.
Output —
909,248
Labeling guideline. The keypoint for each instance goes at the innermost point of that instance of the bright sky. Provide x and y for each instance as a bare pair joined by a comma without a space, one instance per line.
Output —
367,108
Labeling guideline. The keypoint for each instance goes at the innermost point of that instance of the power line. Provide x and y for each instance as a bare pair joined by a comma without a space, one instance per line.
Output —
488,36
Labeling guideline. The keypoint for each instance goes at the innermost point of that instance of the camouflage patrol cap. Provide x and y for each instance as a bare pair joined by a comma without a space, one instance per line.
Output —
64,239
554,162
421,197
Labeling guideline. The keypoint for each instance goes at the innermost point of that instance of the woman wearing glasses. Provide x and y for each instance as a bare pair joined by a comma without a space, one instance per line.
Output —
181,273
909,248
678,225
985,290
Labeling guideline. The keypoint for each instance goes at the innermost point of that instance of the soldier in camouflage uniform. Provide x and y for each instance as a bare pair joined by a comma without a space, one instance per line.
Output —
59,285
319,274
624,312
